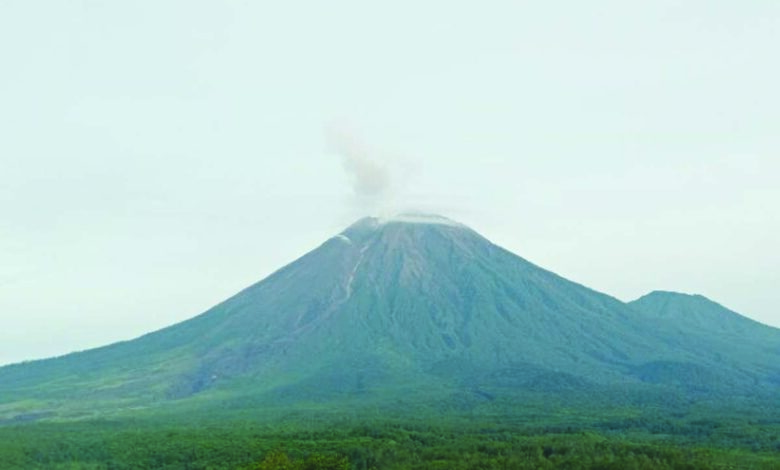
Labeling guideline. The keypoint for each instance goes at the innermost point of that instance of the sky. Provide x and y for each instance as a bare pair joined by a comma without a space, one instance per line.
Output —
158,156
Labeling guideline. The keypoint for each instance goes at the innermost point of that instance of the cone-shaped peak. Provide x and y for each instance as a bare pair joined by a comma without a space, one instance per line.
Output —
418,218
373,222
418,300
368,226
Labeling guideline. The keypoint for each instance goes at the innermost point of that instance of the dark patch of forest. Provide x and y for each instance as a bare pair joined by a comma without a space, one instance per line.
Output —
633,441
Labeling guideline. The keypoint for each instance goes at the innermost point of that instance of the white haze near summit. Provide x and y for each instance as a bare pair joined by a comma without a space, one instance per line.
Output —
157,157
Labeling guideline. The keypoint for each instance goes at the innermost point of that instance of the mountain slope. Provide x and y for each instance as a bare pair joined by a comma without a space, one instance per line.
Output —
729,338
700,313
387,307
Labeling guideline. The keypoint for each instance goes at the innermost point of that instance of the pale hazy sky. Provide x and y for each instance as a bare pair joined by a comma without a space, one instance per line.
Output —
158,156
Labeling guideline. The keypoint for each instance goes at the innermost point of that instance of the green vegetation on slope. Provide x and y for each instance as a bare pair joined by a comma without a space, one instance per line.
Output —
388,307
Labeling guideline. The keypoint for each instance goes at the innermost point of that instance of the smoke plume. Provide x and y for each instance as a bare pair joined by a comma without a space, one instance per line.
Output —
371,180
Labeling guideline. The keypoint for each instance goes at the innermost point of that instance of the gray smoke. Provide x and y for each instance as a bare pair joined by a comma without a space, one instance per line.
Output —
371,181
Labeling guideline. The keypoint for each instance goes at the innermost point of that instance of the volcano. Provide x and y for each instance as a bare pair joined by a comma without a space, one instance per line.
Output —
412,303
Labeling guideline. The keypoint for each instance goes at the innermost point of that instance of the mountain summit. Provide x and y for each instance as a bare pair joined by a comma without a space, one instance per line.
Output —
413,302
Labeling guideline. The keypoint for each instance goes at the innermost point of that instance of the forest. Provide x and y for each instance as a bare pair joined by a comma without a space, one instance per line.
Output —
703,438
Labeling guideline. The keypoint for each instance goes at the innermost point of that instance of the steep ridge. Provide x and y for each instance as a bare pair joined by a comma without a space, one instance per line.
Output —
412,302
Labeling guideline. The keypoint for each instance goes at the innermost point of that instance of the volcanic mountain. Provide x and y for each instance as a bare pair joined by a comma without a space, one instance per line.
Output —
413,303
